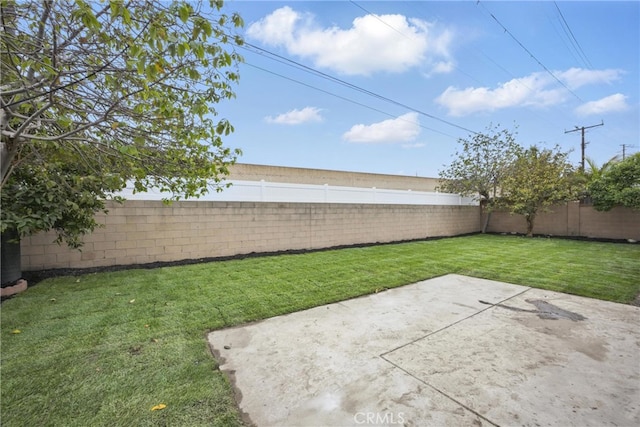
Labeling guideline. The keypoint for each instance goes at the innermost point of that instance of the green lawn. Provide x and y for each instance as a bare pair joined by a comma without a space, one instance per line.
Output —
103,349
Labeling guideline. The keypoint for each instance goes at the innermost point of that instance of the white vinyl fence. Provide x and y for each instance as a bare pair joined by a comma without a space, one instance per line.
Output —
262,191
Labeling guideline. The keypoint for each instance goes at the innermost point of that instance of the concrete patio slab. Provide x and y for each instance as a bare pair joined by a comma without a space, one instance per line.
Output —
449,351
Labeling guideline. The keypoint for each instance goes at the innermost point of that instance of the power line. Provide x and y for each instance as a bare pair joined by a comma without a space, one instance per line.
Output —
355,87
407,37
329,77
563,36
287,61
480,54
529,52
379,19
340,97
573,39
521,82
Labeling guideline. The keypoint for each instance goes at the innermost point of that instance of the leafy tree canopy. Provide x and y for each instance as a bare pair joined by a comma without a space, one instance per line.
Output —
595,172
619,185
481,163
98,94
538,179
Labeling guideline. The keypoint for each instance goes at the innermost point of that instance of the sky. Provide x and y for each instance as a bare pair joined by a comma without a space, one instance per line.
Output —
391,86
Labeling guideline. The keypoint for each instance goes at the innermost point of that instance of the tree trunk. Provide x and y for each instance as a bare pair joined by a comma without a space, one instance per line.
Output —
486,222
530,219
485,208
11,268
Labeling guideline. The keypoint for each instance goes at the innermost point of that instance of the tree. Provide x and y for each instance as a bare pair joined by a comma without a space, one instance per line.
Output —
538,179
595,172
95,95
619,185
480,166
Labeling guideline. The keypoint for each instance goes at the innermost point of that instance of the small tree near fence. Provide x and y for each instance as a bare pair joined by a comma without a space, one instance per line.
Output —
480,166
536,180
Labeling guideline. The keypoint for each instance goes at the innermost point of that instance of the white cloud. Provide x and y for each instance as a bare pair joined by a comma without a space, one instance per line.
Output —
275,29
609,104
537,89
578,77
374,43
528,90
404,128
296,117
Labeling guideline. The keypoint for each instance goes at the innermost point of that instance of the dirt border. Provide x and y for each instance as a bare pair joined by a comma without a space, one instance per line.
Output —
36,276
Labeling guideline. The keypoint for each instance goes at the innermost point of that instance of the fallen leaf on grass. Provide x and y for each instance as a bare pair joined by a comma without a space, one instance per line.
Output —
159,407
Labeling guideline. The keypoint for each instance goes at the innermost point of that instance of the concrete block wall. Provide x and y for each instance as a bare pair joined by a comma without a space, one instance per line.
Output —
574,220
251,172
139,232
618,223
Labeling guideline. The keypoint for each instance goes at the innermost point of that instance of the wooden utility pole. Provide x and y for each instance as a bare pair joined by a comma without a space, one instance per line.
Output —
584,144
624,149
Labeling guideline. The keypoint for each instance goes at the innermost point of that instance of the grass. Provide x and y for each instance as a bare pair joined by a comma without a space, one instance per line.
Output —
103,349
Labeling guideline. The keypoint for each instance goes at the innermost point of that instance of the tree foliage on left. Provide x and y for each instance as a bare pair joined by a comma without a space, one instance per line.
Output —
95,95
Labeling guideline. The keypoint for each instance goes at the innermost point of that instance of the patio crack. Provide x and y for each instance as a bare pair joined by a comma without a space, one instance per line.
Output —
383,356
453,399
490,306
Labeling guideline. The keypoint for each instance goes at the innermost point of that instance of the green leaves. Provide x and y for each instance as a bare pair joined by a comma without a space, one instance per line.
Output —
224,127
60,194
536,180
182,49
480,166
86,15
184,11
128,150
118,10
127,95
494,167
618,185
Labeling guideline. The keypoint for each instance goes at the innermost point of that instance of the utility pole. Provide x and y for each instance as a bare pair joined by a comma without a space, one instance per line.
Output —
624,149
584,144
